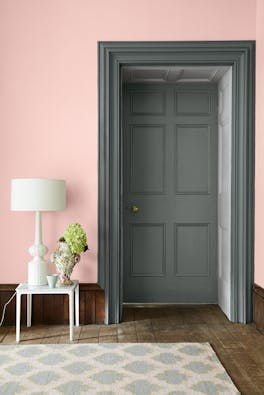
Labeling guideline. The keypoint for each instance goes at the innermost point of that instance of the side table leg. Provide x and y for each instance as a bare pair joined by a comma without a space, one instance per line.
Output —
29,309
71,313
77,323
18,309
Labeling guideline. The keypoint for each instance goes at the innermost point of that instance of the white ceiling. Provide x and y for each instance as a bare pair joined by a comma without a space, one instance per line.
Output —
168,74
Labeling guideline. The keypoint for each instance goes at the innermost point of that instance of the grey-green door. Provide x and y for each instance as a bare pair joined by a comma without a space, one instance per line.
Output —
170,174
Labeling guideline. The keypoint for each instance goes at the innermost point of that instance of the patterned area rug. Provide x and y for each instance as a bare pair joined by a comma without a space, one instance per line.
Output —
113,369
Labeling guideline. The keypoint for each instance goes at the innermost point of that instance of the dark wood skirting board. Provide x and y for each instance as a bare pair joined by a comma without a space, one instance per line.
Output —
54,309
258,300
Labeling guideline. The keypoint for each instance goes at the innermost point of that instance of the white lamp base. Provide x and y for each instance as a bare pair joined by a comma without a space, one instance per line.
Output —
38,267
37,271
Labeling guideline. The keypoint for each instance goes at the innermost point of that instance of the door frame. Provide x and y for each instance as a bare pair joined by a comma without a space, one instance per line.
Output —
112,56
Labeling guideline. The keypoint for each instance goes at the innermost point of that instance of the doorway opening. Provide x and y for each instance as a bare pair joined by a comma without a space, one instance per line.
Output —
238,59
176,133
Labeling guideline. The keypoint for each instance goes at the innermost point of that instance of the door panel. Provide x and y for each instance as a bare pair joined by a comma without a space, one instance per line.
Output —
193,102
194,260
147,250
147,143
147,102
192,141
170,174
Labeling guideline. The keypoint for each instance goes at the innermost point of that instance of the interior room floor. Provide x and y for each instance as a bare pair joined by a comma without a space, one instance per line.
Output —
240,348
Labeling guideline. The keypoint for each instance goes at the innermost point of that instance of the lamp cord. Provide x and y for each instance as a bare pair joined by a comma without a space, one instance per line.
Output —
4,309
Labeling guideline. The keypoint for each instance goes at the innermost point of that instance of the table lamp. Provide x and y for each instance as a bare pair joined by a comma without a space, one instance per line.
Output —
37,194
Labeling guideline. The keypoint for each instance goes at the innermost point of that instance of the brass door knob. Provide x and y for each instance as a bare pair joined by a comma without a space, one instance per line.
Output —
134,209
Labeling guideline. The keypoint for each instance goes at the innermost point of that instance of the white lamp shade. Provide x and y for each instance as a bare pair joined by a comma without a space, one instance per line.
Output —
37,194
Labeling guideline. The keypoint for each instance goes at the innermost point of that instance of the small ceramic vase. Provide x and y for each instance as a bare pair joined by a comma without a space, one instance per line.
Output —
64,261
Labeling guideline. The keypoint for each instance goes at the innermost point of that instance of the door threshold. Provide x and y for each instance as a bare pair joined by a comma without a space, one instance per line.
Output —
153,305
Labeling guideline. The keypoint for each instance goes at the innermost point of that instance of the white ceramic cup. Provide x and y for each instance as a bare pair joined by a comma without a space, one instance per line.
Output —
52,279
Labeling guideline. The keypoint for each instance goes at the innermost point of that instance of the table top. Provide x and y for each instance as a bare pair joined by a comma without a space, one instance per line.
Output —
45,289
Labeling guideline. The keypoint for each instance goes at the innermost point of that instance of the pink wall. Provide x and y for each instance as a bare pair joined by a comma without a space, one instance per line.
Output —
48,101
259,213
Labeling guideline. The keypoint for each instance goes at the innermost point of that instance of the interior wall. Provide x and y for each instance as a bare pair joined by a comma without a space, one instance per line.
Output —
259,178
49,110
224,191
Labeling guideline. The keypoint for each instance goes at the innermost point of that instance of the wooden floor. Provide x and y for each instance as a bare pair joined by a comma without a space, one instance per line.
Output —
239,347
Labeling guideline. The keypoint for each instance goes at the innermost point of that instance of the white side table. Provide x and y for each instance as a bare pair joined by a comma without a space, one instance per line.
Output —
29,290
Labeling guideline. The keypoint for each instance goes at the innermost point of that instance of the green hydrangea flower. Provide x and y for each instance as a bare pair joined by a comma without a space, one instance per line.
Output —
76,239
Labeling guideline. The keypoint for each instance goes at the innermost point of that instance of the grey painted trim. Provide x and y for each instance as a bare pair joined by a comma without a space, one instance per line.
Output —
241,56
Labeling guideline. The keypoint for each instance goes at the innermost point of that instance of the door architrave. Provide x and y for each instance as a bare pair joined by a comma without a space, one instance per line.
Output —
241,56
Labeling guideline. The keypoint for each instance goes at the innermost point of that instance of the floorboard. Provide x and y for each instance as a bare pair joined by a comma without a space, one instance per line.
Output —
239,347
